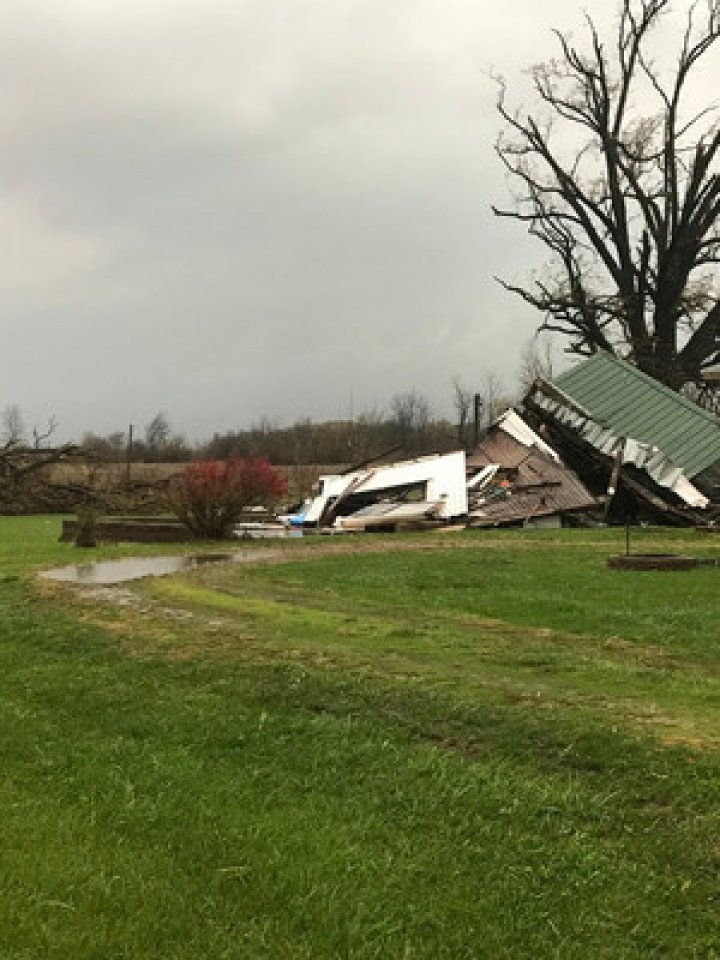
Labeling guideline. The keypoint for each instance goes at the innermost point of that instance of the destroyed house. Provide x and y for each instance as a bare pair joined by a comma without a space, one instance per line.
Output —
518,479
605,414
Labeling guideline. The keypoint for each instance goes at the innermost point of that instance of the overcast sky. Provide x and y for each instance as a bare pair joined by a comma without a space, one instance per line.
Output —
226,209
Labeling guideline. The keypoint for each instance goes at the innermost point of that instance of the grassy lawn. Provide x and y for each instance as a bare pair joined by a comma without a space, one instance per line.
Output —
478,745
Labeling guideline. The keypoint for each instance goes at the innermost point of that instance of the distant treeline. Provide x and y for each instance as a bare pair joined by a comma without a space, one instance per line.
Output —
408,427
335,441
305,442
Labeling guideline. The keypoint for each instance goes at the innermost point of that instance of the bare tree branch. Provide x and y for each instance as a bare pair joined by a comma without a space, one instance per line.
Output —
631,217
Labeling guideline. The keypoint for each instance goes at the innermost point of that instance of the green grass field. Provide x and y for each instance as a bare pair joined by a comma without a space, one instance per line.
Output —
476,745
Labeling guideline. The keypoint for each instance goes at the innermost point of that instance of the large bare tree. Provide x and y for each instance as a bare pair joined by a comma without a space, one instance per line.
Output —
616,172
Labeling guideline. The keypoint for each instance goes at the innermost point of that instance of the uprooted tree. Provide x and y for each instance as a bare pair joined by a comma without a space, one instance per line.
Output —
617,174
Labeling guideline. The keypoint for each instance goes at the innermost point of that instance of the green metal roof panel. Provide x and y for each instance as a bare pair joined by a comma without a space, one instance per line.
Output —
632,404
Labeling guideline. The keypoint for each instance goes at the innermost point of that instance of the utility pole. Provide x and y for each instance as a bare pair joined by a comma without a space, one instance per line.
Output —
477,413
128,455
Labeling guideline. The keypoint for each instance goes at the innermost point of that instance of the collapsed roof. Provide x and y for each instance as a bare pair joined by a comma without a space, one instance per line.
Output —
622,414
520,478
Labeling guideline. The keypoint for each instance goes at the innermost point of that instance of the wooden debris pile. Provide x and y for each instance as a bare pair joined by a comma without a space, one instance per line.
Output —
516,478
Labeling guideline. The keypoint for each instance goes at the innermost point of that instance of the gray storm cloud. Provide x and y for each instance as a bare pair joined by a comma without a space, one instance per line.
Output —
229,210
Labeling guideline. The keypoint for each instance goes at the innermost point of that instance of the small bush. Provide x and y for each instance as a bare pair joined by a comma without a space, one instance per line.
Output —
211,494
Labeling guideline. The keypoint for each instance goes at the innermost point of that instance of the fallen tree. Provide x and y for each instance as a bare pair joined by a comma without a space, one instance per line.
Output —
25,482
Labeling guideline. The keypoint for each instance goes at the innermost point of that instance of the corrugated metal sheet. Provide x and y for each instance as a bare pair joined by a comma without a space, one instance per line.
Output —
641,455
628,403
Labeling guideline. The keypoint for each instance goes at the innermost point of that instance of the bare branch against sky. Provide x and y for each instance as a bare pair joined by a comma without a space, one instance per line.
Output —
224,210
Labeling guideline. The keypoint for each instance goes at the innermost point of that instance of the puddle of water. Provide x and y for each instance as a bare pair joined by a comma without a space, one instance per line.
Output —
108,572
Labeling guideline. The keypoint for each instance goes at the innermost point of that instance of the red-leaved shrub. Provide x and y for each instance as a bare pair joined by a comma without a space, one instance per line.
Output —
211,494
